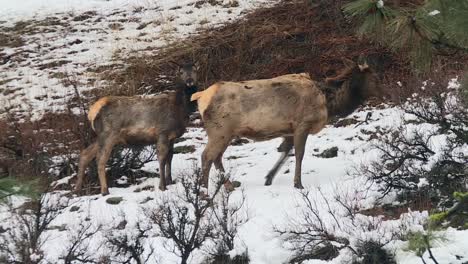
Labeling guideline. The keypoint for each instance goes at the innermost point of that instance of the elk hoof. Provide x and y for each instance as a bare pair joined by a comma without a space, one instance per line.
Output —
204,185
105,192
162,188
169,181
77,191
268,182
298,186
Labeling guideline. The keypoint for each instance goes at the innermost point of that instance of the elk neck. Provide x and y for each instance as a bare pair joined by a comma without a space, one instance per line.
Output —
183,95
343,96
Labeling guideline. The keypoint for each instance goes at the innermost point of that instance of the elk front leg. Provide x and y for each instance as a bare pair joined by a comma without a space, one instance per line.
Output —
86,156
169,163
163,153
300,138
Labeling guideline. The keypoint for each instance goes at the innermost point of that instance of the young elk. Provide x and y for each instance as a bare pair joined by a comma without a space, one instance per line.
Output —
139,120
290,106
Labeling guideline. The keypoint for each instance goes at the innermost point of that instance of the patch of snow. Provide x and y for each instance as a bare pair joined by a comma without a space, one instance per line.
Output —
380,4
434,12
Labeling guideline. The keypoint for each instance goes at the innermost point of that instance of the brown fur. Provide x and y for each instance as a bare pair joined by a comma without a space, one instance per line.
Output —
290,106
139,120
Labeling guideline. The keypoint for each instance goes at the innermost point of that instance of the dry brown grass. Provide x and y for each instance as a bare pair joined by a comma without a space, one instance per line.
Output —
293,36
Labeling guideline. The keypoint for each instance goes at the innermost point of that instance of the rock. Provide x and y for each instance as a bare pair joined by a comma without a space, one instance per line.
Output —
345,122
121,225
142,26
74,208
147,199
148,187
60,228
116,26
114,200
329,153
76,41
3,230
236,184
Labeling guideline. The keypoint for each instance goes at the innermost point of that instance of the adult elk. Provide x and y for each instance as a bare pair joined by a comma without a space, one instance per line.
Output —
137,120
290,106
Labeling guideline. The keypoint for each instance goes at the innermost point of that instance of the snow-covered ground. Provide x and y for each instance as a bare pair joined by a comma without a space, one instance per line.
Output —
268,206
76,35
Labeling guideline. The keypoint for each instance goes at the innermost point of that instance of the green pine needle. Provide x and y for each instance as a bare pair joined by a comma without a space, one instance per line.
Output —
418,242
10,186
418,31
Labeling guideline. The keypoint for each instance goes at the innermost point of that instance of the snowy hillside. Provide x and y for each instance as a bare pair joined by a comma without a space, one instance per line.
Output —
54,42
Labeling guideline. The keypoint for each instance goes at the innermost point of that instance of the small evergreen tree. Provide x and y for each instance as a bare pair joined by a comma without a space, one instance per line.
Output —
418,30
10,186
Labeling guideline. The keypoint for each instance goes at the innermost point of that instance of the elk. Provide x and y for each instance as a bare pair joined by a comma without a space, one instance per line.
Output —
290,106
137,120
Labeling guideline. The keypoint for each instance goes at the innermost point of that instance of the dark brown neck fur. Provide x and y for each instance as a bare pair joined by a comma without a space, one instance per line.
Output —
342,93
183,95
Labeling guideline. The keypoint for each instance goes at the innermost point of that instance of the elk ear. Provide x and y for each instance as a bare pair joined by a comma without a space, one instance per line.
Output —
363,67
349,63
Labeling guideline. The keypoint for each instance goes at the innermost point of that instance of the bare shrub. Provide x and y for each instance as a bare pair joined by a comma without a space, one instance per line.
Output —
372,252
229,217
78,249
128,162
311,235
26,229
426,155
186,216
323,228
130,247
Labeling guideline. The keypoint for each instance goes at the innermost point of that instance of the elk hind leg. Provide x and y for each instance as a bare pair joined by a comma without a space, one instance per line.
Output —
285,148
103,154
86,156
213,151
300,138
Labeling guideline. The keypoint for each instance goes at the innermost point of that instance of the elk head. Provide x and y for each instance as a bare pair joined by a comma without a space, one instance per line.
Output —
187,73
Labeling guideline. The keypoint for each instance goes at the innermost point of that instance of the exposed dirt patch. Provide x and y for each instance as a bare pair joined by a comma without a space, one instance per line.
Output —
53,64
10,40
346,122
391,212
184,149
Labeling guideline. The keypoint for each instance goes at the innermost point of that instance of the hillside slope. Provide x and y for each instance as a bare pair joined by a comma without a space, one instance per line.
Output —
50,53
